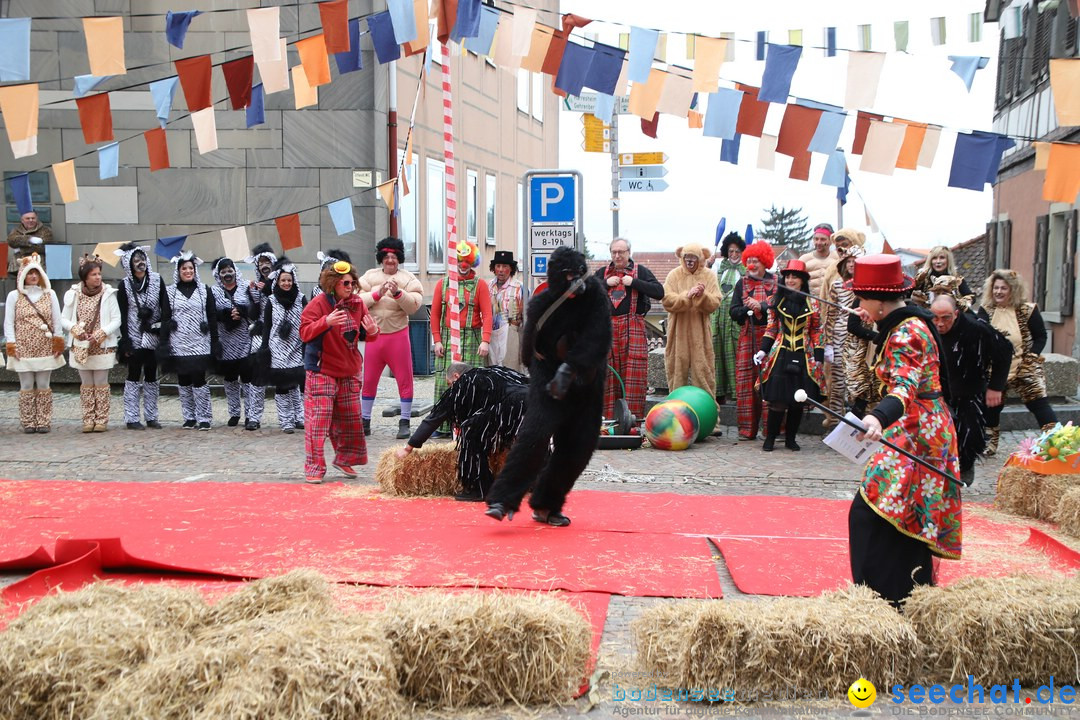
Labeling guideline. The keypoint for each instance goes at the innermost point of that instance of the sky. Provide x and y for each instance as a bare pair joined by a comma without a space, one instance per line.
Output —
912,209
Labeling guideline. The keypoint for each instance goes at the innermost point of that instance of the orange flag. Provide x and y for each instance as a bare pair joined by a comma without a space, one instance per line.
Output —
644,97
886,248
913,141
288,229
541,39
1062,181
386,190
315,60
95,116
695,120
195,81
420,13
19,105
335,25
105,45
157,149
65,181
304,94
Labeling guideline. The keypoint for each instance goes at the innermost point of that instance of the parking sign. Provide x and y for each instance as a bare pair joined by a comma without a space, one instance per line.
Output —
552,199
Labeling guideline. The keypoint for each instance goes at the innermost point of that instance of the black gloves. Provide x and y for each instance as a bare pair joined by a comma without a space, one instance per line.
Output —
560,384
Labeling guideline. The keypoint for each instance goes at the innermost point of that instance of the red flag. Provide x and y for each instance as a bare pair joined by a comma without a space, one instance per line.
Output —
800,165
3,260
288,228
555,51
887,249
95,116
238,79
797,130
752,112
862,127
335,25
649,127
157,148
447,18
195,80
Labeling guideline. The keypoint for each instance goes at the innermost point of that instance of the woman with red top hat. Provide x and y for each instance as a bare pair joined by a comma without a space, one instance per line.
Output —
750,309
904,515
791,355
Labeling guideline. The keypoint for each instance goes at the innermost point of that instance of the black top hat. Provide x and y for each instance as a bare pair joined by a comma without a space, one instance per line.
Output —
504,257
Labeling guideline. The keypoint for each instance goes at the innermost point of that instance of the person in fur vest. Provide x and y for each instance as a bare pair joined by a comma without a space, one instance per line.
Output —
691,293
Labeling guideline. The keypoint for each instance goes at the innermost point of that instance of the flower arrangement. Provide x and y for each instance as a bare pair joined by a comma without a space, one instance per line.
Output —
1062,442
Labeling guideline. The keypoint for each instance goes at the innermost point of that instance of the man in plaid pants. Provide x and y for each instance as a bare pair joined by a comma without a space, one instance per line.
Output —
331,326
631,287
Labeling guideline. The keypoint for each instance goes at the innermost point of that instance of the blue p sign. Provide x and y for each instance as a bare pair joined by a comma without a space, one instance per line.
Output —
552,199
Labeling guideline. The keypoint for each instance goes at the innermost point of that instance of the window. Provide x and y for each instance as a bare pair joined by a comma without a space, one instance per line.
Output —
407,219
975,23
538,96
865,37
40,194
937,30
1055,247
436,216
489,189
473,200
524,89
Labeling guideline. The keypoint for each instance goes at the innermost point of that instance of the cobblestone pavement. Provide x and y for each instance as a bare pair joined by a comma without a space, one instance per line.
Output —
718,466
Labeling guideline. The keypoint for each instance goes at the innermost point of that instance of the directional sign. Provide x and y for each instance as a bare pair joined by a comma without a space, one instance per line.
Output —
649,158
642,171
597,134
586,103
644,185
552,199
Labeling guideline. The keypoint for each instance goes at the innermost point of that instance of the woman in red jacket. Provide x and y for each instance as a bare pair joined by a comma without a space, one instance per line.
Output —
331,326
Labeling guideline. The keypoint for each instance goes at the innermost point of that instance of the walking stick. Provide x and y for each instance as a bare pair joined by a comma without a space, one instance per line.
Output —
801,397
845,308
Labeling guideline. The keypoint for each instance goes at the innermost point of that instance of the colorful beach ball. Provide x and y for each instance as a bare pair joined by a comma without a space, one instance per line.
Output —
671,425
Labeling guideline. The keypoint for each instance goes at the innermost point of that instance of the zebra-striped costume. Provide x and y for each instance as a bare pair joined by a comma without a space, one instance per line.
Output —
141,310
235,361
283,358
192,332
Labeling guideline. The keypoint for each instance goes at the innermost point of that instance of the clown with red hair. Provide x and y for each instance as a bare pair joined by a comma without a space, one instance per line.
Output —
750,309
474,319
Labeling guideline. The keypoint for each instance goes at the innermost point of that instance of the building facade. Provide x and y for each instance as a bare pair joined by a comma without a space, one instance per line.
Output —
1026,233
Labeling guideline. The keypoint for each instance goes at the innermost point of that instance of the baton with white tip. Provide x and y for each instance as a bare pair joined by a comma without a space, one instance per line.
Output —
802,397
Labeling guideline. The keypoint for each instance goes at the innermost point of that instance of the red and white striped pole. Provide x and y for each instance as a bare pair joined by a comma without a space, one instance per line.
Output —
451,206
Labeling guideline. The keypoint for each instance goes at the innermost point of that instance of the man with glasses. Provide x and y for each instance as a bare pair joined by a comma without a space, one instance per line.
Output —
631,287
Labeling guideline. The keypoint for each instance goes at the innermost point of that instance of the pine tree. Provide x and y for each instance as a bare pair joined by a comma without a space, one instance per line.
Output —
786,227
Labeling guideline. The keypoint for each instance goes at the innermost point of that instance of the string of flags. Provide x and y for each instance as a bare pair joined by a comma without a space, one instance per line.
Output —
516,39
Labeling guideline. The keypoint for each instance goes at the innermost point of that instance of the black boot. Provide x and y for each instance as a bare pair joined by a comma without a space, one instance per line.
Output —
498,511
772,428
403,432
367,426
794,417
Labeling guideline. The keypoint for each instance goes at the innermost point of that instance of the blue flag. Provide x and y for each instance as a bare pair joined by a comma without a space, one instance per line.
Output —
489,21
729,149
58,260
605,107
642,49
108,161
382,37
976,159
722,114
779,67
830,42
720,227
163,92
15,49
759,46
576,61
176,26
86,83
255,113
467,24
351,59
341,212
169,247
20,188
604,71
835,169
827,135
403,20
966,65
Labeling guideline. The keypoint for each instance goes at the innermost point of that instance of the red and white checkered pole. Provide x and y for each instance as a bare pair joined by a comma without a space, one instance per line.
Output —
451,206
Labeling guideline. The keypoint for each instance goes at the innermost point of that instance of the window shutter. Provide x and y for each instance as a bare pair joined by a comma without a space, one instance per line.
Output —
1024,52
1044,27
1070,38
1005,244
1042,237
1068,286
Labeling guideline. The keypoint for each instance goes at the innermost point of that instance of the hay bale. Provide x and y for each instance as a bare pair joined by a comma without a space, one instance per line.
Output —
429,471
280,665
817,645
455,651
997,629
1018,491
303,592
661,636
58,656
1051,492
1068,512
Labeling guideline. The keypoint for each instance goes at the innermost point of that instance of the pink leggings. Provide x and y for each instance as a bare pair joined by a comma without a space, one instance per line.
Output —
391,349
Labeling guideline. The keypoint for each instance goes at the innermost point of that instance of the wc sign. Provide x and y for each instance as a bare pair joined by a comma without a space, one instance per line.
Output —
553,218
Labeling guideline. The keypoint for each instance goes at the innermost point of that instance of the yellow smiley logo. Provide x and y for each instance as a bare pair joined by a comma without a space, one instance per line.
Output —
862,693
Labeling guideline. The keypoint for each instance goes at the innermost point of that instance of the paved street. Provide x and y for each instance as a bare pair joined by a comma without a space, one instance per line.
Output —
718,466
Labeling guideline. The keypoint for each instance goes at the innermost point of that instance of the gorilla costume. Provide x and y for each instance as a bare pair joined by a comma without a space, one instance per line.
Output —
565,344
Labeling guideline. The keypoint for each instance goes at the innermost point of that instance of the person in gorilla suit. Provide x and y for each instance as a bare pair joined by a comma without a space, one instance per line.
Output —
565,344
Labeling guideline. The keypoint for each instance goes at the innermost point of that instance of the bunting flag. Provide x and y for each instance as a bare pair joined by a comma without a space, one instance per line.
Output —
882,148
65,181
105,45
650,127
107,252
642,49
402,20
645,97
205,126
382,37
553,58
864,73
779,68
235,242
695,120
827,135
157,149
19,106
467,22
708,57
489,22
966,66
314,59
759,45
176,26
334,17
796,131
800,167
1042,155
1065,86
575,67
386,192
862,126
835,169
723,113
20,190
423,35
522,31
85,83
303,94
1062,181
541,41
451,205
238,75
108,161
605,107
275,73
766,159
830,42
288,228
264,26
256,115
194,74
350,60
606,64
341,213
58,260
729,150
752,112
14,50
169,247
163,93
976,158
676,95
95,116
914,135
900,35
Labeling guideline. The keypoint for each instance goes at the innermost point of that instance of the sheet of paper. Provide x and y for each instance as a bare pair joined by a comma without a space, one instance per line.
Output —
842,440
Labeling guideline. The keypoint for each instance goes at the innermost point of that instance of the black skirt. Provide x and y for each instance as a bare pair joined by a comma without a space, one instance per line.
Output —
883,558
788,375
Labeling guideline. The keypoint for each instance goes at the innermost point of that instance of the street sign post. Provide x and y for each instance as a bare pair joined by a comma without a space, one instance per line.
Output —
553,217
642,171
649,158
642,185
586,103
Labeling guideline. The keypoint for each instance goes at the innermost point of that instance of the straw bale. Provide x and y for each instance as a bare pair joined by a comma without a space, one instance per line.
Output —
428,471
998,629
65,650
454,651
1018,491
813,645
1051,491
661,636
280,665
1068,512
304,592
